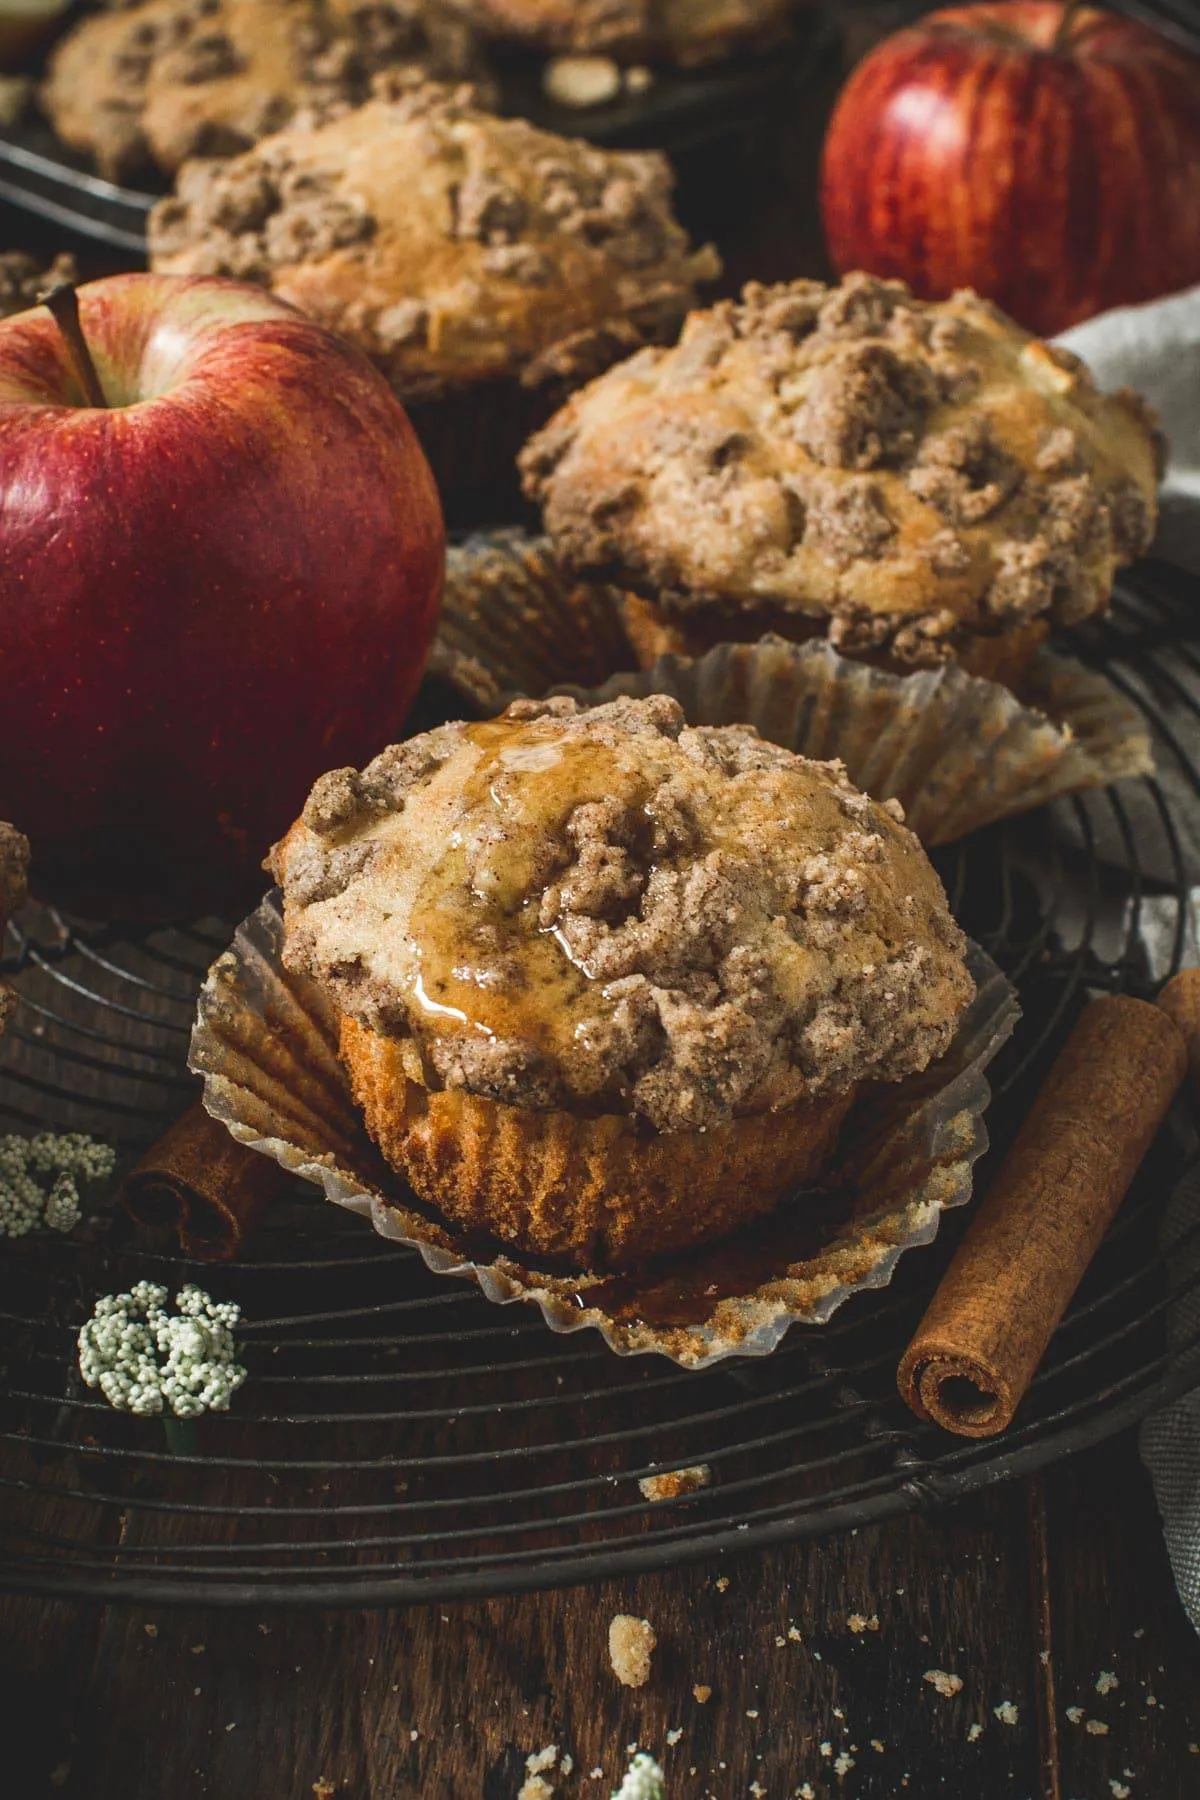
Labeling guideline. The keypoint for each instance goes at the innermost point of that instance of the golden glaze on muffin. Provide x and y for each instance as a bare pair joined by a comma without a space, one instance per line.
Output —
157,82
907,476
610,911
453,246
683,31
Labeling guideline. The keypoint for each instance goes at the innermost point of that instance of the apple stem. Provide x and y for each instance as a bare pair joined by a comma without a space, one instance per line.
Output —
63,305
1061,36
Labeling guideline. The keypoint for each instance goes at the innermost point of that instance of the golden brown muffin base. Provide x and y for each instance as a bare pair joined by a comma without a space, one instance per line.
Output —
656,631
607,1192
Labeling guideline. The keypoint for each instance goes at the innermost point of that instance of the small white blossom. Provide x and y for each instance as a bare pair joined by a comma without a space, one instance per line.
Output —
67,1159
143,1358
644,1780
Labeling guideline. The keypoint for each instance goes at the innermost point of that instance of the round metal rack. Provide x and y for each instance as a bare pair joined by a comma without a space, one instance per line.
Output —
401,1439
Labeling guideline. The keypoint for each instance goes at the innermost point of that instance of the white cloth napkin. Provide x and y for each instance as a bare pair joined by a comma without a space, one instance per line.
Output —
1156,349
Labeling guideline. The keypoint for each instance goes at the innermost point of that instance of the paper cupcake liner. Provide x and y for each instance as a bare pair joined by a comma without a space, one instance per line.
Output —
265,1043
958,752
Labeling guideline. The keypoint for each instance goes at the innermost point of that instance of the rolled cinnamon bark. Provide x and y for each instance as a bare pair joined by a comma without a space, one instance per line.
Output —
1180,1000
201,1180
988,1325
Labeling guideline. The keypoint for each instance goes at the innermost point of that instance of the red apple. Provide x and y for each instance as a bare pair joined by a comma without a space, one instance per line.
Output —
213,587
1046,155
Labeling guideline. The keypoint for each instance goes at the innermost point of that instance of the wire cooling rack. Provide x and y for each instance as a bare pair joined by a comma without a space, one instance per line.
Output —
401,1439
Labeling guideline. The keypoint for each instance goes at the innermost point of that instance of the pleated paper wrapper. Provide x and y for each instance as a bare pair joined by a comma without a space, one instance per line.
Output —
958,752
265,1042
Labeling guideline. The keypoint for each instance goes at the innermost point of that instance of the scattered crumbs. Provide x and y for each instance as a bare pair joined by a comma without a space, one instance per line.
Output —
721,1583
673,1738
794,1635
232,1726
859,1624
675,1484
196,1690
817,1657
752,1712
899,1593
197,1649
630,1646
630,1748
757,1789
943,1682
597,1774
1096,1728
1106,1681
1006,1712
838,1713
323,1788
1074,1713
1150,1700
413,1735
1044,1658
877,1744
1119,1790
843,1765
974,1733
702,1693
805,1792
265,1630
826,1748
780,1642
151,1631
535,1787
1140,1632
541,1759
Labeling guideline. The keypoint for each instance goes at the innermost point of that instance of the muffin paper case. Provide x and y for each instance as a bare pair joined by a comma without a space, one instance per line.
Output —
958,752
265,1043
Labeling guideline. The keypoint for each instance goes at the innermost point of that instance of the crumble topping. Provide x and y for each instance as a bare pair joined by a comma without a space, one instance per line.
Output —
162,80
612,910
631,1643
686,31
23,278
449,243
853,453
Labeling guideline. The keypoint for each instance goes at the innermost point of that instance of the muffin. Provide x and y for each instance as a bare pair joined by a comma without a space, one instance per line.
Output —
608,984
14,870
917,481
681,31
147,86
484,265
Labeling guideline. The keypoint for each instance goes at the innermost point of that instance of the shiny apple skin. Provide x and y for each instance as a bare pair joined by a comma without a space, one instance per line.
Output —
967,152
207,597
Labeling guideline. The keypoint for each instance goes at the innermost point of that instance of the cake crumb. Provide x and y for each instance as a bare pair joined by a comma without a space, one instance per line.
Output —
535,1787
1074,1713
630,1646
1119,1790
752,1712
1096,1728
581,81
1150,1700
674,1736
878,1744
702,1693
805,1792
675,1484
596,1774
1106,1681
721,1583
842,1765
974,1733
151,1631
1006,1712
826,1748
794,1635
943,1682
323,1788
780,1643
541,1759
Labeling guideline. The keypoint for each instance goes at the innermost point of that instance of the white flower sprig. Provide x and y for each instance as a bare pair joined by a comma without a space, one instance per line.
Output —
644,1780
145,1359
67,1159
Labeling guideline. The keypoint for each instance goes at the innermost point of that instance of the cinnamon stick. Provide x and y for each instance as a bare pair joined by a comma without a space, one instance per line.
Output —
201,1180
1057,1191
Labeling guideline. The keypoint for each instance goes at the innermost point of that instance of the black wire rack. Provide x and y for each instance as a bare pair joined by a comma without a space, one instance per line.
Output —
401,1439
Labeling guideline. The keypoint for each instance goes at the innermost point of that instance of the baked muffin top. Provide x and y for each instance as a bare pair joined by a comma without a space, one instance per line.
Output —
157,82
913,472
450,244
613,911
685,31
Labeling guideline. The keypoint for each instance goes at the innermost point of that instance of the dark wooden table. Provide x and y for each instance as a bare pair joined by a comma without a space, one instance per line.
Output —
1028,1595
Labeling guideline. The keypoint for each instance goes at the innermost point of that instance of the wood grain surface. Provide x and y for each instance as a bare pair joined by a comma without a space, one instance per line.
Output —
1028,1595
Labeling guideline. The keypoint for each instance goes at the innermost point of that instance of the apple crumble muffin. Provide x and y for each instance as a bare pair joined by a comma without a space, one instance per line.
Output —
151,84
916,480
609,983
682,31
